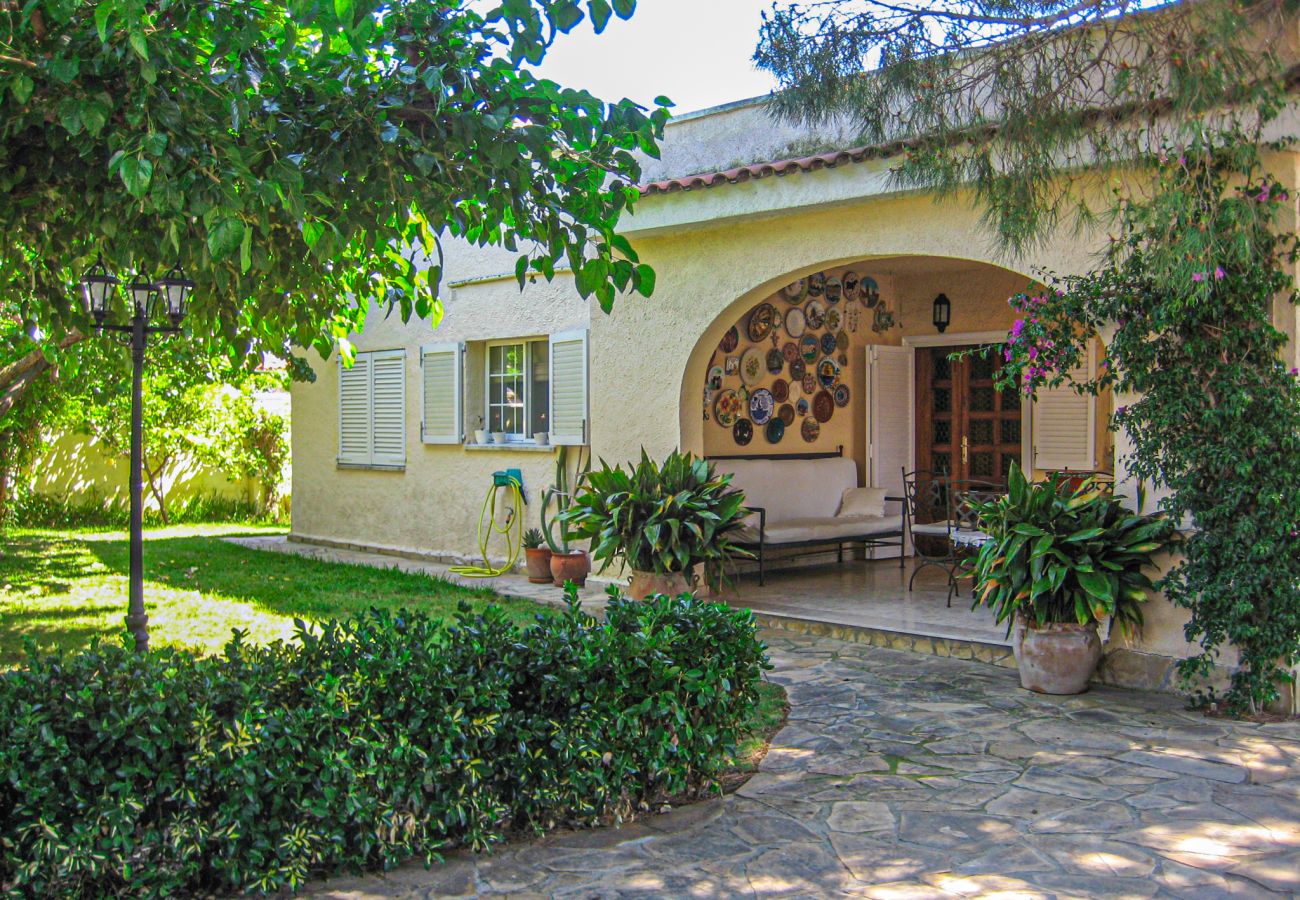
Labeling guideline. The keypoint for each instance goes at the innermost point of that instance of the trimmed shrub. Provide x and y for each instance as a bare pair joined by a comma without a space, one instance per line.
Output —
32,510
358,744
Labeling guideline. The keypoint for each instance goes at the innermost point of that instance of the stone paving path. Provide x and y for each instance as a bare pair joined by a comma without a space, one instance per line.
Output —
904,775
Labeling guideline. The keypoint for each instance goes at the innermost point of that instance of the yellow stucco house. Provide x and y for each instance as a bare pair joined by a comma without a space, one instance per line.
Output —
735,218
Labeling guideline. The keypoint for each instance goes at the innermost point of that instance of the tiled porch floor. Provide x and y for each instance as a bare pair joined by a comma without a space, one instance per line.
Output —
871,595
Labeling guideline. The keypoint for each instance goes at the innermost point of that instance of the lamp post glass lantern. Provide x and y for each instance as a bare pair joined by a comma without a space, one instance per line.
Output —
98,287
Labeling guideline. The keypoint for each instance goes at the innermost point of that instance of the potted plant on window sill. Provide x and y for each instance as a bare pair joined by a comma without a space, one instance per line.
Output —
664,521
537,557
568,563
1061,559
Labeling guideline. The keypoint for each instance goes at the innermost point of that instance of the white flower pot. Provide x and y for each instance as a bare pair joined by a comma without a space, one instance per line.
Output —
498,437
542,438
480,436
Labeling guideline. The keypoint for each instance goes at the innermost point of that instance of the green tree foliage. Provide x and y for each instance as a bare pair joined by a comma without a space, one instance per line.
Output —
243,438
1021,102
300,159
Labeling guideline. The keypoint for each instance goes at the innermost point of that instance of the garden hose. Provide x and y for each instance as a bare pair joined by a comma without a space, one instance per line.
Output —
487,526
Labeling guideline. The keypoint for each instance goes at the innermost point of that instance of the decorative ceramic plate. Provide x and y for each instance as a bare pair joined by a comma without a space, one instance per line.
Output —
780,390
729,340
809,429
834,289
817,284
809,347
715,379
869,291
786,414
842,340
778,319
833,320
802,406
775,361
815,313
743,431
774,431
795,292
828,343
742,397
790,350
798,368
850,286
725,408
843,358
809,383
828,372
760,321
795,322
753,366
841,395
761,406
823,406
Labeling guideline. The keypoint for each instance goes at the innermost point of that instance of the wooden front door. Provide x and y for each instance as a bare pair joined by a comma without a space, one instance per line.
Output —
964,425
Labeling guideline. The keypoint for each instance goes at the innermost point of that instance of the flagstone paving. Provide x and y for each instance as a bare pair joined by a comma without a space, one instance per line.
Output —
906,775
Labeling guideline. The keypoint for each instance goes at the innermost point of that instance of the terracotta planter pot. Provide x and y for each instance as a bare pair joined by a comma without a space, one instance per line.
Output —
646,584
1057,659
573,567
539,564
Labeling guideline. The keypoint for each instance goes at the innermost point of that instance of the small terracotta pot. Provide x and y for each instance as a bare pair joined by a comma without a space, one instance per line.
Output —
574,566
539,564
647,584
1058,658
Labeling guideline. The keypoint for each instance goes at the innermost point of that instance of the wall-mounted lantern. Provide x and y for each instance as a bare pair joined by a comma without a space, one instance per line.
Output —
942,312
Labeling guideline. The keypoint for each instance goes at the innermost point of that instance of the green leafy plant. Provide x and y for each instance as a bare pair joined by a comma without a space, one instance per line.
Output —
1062,552
533,538
558,498
358,744
661,518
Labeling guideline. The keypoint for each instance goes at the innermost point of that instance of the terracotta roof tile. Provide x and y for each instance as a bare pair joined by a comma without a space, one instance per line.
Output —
827,160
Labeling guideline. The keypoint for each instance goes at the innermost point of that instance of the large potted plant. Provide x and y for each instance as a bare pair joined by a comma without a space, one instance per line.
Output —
568,563
1063,556
665,521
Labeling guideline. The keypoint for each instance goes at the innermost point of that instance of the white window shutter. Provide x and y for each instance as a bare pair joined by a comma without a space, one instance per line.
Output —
388,408
354,411
889,407
1064,424
441,393
569,388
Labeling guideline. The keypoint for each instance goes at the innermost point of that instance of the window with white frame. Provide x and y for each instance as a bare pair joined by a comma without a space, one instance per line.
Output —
518,388
372,410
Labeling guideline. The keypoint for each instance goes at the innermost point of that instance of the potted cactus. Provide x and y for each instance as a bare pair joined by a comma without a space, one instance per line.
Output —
537,556
568,563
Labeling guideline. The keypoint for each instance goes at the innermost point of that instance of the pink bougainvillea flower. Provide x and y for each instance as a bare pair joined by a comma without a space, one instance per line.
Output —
1017,327
1198,276
1219,274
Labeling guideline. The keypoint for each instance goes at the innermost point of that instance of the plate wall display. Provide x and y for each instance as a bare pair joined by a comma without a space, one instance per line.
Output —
833,320
733,365
795,292
743,431
786,414
809,383
726,406
817,284
815,313
828,343
834,290
841,395
843,358
780,390
774,431
715,379
809,348
798,368
869,291
828,372
823,406
850,286
790,350
761,406
809,429
730,340
775,361
778,319
802,406
795,323
753,365
742,396
760,321
841,340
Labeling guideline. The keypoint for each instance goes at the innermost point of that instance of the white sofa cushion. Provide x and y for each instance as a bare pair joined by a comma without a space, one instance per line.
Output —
863,501
792,488
791,531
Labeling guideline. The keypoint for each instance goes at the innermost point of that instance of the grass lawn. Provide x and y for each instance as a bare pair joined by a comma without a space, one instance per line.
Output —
64,588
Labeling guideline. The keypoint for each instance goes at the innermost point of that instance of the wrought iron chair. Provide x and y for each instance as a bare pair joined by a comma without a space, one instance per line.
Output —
926,515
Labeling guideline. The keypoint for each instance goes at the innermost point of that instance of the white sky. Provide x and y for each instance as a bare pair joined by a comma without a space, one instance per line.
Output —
696,52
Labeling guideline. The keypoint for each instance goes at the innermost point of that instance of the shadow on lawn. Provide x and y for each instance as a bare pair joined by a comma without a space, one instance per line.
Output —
42,565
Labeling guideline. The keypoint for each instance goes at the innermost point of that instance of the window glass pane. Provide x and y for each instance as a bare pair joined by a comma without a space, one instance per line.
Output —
540,387
505,378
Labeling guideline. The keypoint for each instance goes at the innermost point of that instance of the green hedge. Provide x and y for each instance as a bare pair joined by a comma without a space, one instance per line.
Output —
358,744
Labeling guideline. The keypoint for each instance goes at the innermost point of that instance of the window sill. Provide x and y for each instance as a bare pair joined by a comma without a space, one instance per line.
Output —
511,447
368,467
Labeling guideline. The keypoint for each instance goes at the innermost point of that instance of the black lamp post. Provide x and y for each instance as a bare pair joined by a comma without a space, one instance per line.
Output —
942,312
98,286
